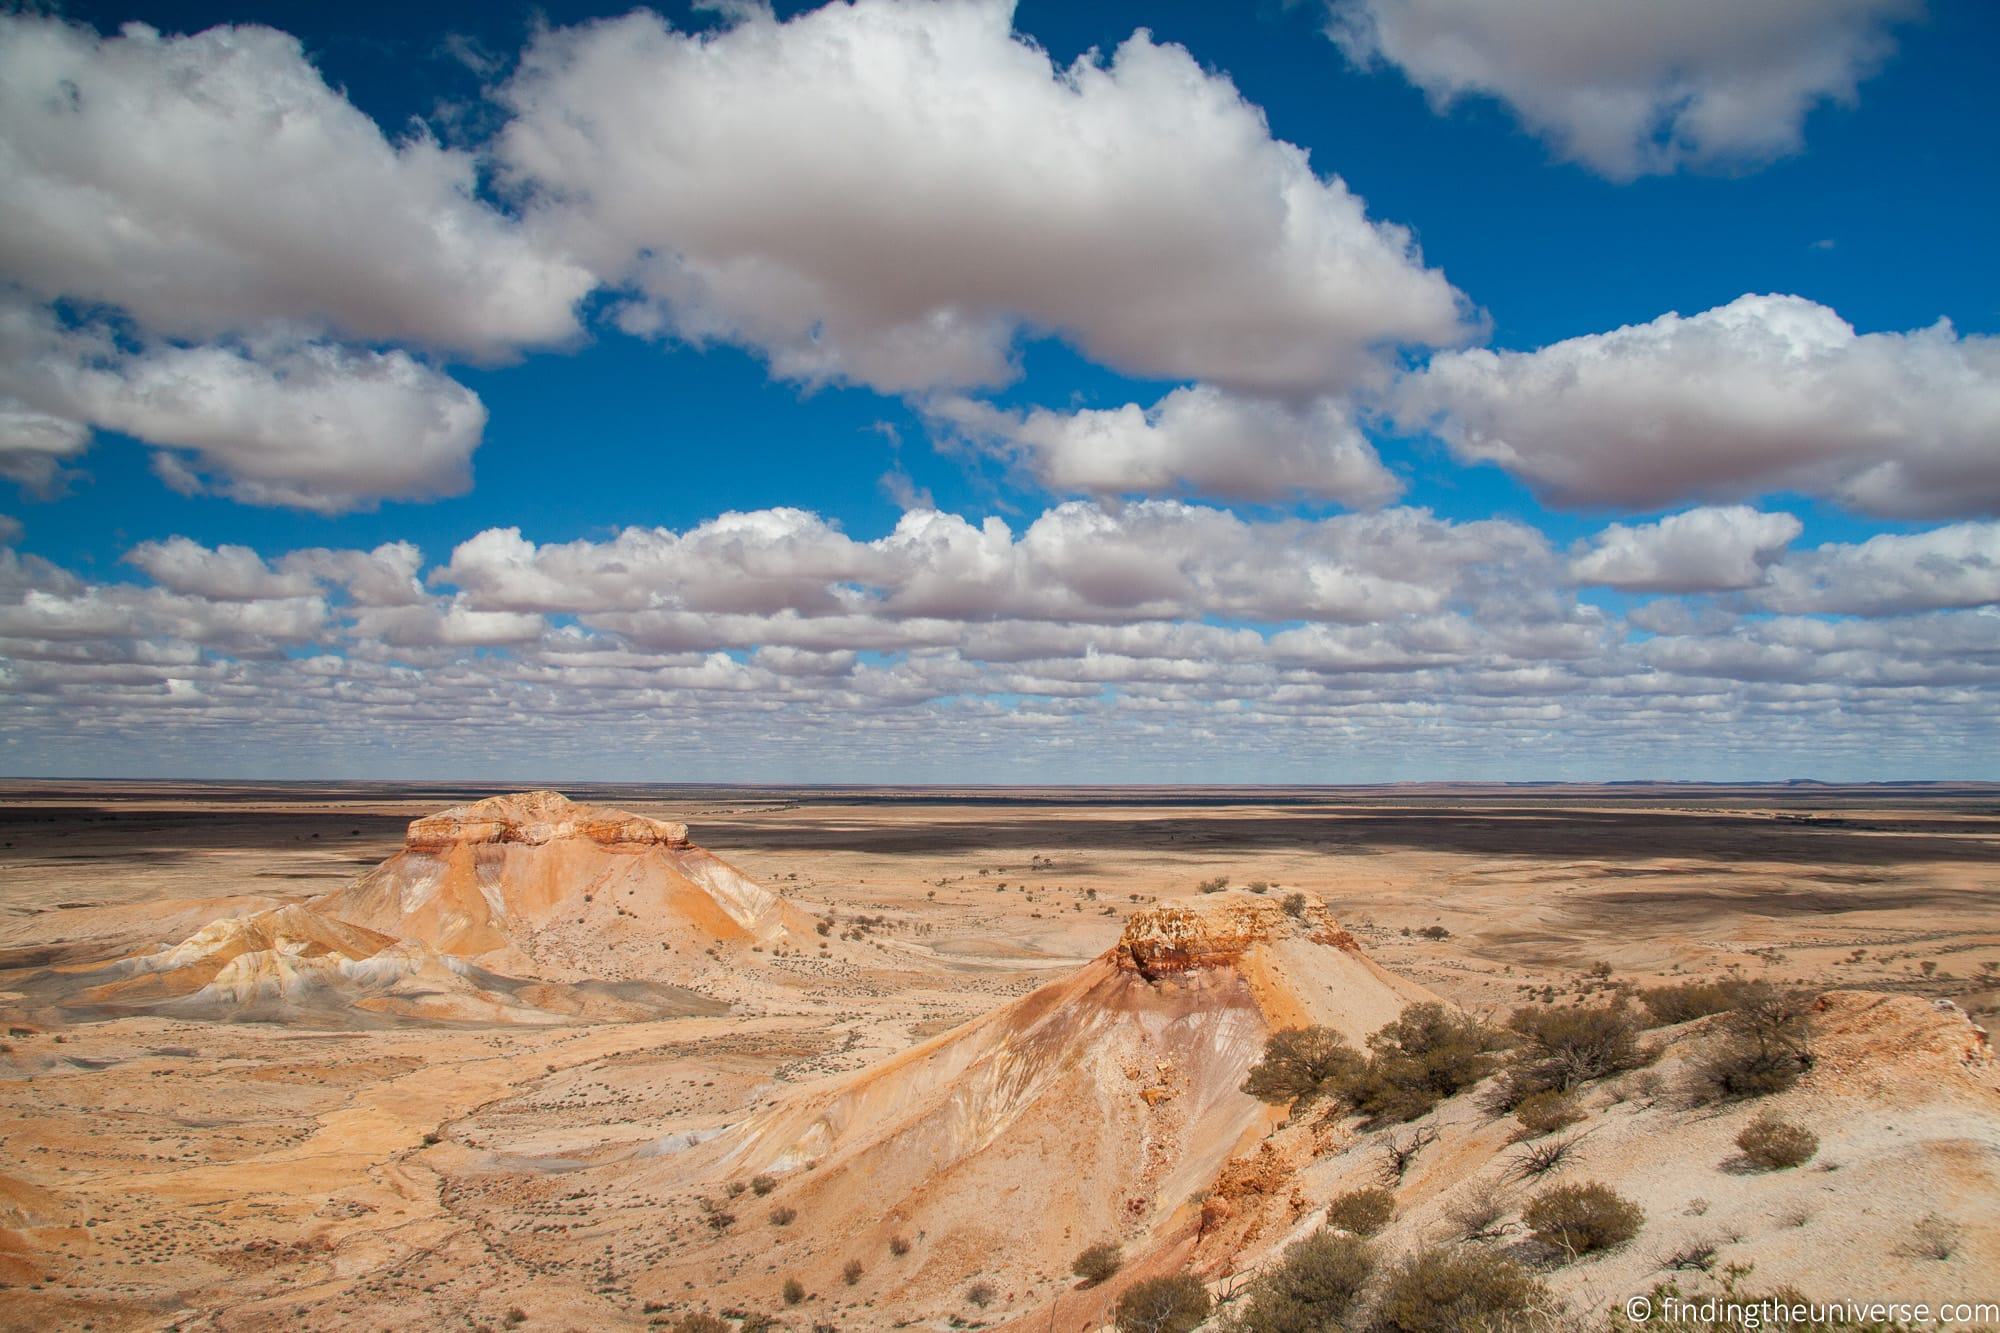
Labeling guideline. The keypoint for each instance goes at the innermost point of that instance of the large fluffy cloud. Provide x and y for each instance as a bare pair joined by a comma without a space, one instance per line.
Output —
214,183
1634,86
311,425
1893,573
1701,550
1766,393
1197,439
891,191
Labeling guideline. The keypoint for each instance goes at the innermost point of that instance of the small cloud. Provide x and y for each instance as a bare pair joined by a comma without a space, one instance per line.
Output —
10,529
907,495
1825,243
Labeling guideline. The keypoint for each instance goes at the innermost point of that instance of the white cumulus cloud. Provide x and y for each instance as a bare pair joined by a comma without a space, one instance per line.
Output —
1630,87
892,192
1701,550
1766,393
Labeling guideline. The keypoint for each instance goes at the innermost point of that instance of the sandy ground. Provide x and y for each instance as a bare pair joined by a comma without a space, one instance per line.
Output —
165,1173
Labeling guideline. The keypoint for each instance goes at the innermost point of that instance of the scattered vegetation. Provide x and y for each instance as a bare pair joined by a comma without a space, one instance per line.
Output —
1098,1262
1688,1001
1583,1219
899,1246
1775,1144
1363,1211
793,1291
1935,1237
851,1272
1174,1304
1314,1286
762,1185
784,1217
982,1294
1216,885
1294,904
1428,1054
1452,1289
701,1322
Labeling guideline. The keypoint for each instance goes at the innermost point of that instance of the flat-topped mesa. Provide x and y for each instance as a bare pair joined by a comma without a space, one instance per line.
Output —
538,817
1215,930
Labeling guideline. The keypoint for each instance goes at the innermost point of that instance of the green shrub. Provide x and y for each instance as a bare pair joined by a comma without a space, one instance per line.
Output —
1097,1263
1775,1144
1583,1219
1764,1046
1558,1049
1362,1211
1428,1054
1300,1065
1316,1284
1546,1112
1174,1304
1455,1290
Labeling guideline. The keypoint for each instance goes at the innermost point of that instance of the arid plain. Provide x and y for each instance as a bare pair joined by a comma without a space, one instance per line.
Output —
556,1153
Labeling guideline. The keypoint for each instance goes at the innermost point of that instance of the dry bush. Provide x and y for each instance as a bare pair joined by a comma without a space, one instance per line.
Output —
1691,1256
851,1272
982,1294
1314,1286
1300,1065
1428,1054
784,1217
899,1246
1764,1046
1583,1219
1546,1155
793,1291
1546,1112
1453,1289
1935,1237
1399,1150
1295,904
1098,1262
762,1185
1684,1003
1363,1211
1216,885
1558,1049
701,1322
1176,1304
1775,1144
1479,1212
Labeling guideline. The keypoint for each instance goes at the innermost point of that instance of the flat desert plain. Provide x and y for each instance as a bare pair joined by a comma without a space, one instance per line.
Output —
531,1152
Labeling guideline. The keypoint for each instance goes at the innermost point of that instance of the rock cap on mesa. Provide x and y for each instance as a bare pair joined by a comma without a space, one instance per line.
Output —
537,817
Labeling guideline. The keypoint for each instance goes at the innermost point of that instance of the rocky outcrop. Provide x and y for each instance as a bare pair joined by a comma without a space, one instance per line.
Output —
1218,931
538,817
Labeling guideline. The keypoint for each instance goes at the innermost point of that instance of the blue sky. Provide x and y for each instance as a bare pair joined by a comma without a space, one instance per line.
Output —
1485,538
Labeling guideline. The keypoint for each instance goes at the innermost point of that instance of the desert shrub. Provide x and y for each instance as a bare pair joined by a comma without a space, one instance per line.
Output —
1295,904
1454,1289
1546,1155
762,1185
784,1217
1174,1304
1546,1112
851,1272
701,1322
899,1245
1362,1211
1314,1286
1668,1005
1558,1049
1300,1065
1428,1054
1935,1237
1764,1046
1097,1263
1216,885
1435,933
1399,1150
1583,1219
1775,1144
793,1291
982,1294
1479,1212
